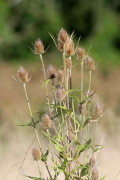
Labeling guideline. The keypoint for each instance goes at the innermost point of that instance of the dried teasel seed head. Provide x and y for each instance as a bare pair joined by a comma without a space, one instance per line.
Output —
98,110
92,162
36,154
62,36
39,47
60,46
82,108
90,63
68,63
80,53
95,174
51,72
22,75
60,76
69,47
60,94
46,121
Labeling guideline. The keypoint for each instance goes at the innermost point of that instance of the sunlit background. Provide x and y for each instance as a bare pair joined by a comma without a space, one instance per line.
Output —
97,24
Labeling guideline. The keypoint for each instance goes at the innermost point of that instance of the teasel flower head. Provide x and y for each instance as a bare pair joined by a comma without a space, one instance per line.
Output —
95,174
46,121
62,36
39,47
36,154
22,75
60,76
98,110
69,47
80,53
60,94
51,72
90,63
92,162
62,39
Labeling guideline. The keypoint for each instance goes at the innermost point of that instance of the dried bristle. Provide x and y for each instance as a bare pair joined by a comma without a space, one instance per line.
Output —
95,174
46,121
90,63
22,75
81,53
51,72
36,154
68,63
39,47
60,76
60,94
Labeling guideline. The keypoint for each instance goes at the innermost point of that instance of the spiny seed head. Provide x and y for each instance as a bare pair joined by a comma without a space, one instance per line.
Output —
80,53
62,36
36,154
90,63
92,162
60,94
22,75
39,47
51,72
95,174
60,46
69,47
82,108
60,76
98,110
68,63
46,121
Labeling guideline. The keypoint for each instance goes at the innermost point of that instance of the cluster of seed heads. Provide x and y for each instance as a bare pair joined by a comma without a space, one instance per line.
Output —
66,45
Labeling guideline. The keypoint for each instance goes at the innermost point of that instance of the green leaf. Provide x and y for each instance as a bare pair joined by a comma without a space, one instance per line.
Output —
35,178
82,147
45,156
85,123
84,171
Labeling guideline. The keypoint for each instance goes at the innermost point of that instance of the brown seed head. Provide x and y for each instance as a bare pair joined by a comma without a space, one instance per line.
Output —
95,174
60,76
51,72
90,63
36,154
39,47
68,63
46,121
98,110
80,53
60,46
60,94
69,47
22,75
92,162
62,36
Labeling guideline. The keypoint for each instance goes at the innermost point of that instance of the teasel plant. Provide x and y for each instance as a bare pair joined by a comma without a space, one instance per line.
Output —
72,148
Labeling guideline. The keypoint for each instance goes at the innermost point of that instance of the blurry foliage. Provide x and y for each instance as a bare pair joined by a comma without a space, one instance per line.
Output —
23,21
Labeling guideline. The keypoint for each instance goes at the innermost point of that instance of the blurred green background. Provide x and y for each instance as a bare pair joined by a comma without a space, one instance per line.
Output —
97,22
